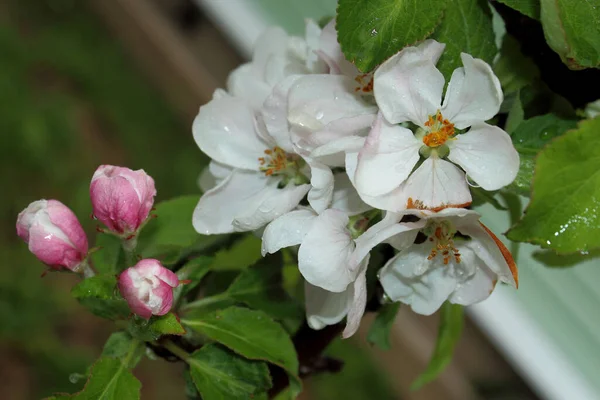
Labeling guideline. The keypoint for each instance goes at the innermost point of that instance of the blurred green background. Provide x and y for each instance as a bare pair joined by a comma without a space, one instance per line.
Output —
70,101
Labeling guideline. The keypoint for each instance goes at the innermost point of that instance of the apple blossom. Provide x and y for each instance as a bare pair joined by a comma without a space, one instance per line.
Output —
460,260
121,198
148,288
408,88
259,180
54,234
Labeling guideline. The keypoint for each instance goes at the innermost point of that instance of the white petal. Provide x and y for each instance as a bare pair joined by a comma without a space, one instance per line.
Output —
324,254
408,86
272,203
390,201
287,230
274,113
491,251
212,175
325,308
334,152
313,36
359,301
381,232
487,155
424,293
477,287
273,41
224,130
331,52
317,100
321,181
218,207
432,49
345,198
437,184
387,158
244,82
473,95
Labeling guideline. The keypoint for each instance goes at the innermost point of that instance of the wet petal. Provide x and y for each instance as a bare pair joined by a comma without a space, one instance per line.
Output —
323,258
287,230
387,158
473,95
487,155
435,185
224,130
408,86
325,308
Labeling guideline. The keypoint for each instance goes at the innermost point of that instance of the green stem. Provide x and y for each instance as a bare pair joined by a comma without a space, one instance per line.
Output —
129,246
178,351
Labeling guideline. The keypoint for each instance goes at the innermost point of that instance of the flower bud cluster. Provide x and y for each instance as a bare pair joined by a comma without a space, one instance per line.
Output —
122,200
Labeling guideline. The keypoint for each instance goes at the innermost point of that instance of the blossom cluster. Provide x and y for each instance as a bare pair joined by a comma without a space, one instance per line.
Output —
121,199
313,153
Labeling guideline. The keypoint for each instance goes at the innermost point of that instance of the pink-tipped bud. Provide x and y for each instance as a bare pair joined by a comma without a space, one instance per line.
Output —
121,198
148,288
53,234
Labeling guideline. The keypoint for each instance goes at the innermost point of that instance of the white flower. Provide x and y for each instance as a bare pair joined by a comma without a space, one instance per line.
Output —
306,112
334,287
460,260
256,180
408,88
326,107
276,56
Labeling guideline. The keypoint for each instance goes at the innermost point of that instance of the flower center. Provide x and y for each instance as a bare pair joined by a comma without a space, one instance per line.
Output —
439,130
277,162
364,83
441,237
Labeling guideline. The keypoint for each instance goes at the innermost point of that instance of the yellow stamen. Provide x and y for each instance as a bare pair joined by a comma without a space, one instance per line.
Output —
440,130
443,243
276,161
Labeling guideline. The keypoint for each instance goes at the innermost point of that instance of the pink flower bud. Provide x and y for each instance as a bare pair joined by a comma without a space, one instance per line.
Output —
148,288
121,198
53,234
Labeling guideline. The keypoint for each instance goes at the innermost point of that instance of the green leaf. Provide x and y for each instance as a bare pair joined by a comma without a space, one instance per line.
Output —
261,287
481,196
379,332
531,8
552,260
171,230
563,214
109,258
157,326
110,380
240,255
529,138
194,270
252,334
126,348
220,374
370,31
467,28
516,115
100,296
572,29
513,69
451,323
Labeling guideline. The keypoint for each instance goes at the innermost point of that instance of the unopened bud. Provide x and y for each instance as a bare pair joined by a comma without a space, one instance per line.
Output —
53,233
121,198
148,288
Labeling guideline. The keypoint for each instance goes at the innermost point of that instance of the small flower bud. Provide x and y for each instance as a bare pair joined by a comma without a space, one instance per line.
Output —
53,233
148,288
121,198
